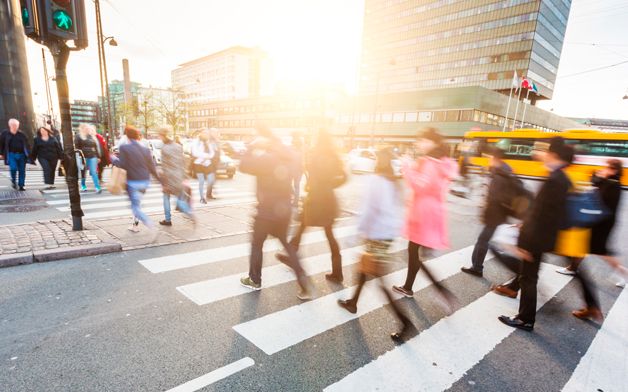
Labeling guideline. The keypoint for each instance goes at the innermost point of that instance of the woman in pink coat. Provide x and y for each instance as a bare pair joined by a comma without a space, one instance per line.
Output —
426,220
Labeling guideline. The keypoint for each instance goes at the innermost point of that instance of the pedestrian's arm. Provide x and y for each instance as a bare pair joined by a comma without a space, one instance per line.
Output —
414,177
34,151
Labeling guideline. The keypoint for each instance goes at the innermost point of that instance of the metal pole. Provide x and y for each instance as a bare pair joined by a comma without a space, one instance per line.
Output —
525,106
61,54
48,93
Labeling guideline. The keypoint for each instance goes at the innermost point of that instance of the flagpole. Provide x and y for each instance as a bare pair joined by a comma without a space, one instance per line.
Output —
507,109
514,122
525,106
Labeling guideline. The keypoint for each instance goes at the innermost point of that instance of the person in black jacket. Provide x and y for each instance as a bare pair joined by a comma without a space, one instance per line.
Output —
271,163
539,230
14,150
90,149
47,150
495,213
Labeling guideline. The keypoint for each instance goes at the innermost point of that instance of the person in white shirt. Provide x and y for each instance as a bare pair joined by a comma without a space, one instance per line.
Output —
205,152
380,223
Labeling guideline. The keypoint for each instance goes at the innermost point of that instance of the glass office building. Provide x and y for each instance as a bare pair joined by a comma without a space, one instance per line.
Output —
413,45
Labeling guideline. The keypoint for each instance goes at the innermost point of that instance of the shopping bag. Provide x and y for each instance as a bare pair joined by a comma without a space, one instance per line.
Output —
117,182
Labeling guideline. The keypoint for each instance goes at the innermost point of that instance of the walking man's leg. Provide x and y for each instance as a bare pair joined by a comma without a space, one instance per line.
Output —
13,168
336,258
21,168
167,212
528,281
481,248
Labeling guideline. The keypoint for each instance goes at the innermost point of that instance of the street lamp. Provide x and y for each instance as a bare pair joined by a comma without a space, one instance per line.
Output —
104,78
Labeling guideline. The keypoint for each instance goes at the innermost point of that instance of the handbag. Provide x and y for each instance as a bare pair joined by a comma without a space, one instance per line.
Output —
585,209
117,183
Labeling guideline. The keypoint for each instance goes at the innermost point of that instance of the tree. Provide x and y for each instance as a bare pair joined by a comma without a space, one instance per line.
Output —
146,113
174,112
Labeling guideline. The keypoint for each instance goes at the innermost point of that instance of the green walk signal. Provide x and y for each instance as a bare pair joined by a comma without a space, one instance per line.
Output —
26,17
62,20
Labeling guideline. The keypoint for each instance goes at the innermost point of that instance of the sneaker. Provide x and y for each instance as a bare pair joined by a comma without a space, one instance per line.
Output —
22,189
203,201
593,314
83,189
471,271
566,271
348,305
135,227
249,284
165,223
98,191
403,291
304,294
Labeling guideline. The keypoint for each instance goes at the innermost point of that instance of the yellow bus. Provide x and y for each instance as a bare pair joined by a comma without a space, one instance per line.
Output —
593,149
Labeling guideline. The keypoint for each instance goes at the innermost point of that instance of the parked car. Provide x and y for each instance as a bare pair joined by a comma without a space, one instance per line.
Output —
362,160
155,147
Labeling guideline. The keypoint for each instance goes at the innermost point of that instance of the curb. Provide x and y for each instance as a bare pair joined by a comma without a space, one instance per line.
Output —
42,256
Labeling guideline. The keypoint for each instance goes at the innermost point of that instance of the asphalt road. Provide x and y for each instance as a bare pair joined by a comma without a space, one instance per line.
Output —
141,321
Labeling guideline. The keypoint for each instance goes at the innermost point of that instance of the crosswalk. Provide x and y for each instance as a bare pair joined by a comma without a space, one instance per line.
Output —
105,205
438,357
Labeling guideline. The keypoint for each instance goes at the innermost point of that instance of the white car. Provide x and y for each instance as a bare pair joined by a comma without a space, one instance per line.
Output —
155,147
362,160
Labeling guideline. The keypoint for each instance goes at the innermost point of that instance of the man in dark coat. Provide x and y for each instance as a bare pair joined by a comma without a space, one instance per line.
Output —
495,213
14,149
539,230
271,163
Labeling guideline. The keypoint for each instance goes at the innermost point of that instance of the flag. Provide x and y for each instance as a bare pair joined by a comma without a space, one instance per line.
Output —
535,89
526,84
515,80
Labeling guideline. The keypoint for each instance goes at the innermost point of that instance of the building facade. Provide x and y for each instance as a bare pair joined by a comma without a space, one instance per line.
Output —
15,89
234,73
87,112
412,45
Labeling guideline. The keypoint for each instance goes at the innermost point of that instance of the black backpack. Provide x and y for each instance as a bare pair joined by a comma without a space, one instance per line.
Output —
517,199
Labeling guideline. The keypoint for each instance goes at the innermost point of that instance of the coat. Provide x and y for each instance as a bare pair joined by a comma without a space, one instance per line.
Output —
105,157
426,219
50,149
172,168
540,227
324,173
494,212
5,142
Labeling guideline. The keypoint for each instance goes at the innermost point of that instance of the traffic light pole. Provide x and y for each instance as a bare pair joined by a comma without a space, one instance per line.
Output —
61,53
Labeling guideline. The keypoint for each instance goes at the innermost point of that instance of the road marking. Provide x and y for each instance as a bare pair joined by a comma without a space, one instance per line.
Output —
212,290
442,354
604,367
150,193
216,375
278,331
213,255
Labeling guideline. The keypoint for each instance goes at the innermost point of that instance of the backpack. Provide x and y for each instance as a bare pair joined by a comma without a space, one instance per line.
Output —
585,209
517,199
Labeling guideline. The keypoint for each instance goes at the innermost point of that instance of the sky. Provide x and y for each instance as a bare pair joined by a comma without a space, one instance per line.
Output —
319,41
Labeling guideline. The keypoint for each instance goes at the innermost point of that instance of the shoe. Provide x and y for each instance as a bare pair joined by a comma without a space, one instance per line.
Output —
505,291
14,186
304,294
98,191
211,197
83,189
593,314
516,323
471,271
51,187
334,278
621,283
165,223
249,284
135,227
22,189
566,271
400,337
203,201
403,291
348,305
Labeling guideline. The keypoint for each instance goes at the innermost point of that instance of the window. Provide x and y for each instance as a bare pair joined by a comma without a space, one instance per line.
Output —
453,115
466,115
387,117
606,148
440,116
520,149
412,117
398,117
425,116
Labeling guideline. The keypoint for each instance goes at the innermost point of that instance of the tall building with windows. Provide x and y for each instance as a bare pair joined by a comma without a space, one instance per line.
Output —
87,112
234,73
411,45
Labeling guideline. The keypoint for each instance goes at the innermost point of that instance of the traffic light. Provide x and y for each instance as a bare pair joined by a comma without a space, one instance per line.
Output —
29,18
65,20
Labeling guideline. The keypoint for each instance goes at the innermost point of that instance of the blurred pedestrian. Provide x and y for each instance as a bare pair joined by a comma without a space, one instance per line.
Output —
380,223
47,151
203,152
172,177
138,162
495,212
539,231
271,163
297,149
426,221
103,152
90,149
324,173
14,149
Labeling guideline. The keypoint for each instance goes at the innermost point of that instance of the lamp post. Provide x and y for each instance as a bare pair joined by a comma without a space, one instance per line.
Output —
104,79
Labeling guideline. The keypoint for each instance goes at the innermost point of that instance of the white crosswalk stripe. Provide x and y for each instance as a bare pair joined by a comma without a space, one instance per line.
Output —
457,343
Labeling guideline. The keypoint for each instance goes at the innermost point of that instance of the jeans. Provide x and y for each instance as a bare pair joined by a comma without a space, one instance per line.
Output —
211,179
262,228
17,164
49,167
181,204
92,166
481,247
136,190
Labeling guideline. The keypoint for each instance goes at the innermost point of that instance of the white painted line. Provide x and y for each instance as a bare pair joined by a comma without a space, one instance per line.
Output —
127,211
604,367
91,197
445,352
213,255
278,331
208,291
216,375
